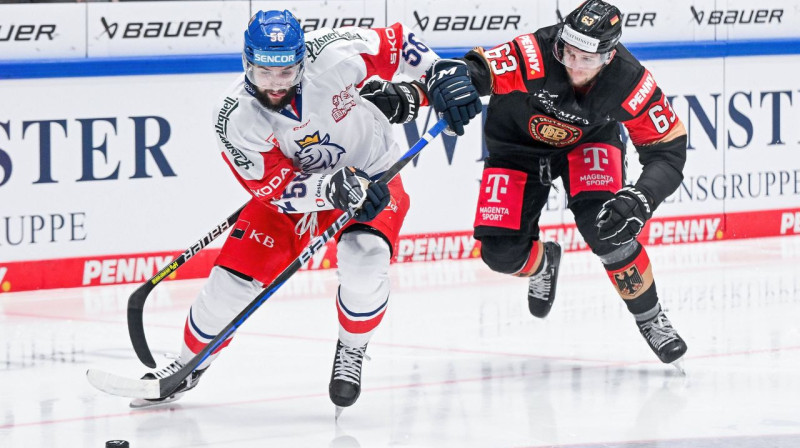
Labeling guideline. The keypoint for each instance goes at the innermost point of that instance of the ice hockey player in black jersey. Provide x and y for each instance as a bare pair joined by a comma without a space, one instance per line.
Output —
558,96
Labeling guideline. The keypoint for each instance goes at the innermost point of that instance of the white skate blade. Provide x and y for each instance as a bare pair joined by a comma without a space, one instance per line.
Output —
123,387
339,410
678,364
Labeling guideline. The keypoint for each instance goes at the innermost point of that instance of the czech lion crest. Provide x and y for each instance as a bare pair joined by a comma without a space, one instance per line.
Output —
317,153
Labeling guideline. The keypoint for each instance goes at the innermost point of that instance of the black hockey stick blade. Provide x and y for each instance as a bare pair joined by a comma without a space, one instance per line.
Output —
137,298
117,385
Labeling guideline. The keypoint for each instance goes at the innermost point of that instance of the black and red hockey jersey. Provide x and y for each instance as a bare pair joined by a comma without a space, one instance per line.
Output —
534,108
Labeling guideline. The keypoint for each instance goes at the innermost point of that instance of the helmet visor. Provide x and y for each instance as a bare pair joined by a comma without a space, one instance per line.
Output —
275,77
578,59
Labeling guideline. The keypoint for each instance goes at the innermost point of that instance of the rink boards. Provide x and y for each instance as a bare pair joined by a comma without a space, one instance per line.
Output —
104,179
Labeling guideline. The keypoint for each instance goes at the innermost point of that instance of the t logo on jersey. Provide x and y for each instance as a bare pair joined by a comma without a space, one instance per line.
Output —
317,153
496,184
594,167
595,159
500,198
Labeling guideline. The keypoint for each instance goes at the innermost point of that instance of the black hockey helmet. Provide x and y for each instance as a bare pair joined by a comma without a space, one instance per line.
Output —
593,27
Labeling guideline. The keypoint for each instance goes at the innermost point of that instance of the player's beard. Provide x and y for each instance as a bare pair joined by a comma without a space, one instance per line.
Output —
263,98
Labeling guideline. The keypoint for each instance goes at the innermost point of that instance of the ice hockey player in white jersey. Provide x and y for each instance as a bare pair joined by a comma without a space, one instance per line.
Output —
298,136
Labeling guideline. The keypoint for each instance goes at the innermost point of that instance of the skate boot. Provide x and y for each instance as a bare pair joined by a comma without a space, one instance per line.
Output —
542,286
663,339
345,385
187,384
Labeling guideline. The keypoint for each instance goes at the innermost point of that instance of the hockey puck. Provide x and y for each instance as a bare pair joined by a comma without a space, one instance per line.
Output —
117,444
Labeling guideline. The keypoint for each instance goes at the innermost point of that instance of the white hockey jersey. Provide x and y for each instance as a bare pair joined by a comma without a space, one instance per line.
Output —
283,158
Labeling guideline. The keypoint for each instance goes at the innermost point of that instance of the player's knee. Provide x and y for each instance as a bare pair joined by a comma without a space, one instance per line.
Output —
363,259
224,294
619,254
585,212
505,254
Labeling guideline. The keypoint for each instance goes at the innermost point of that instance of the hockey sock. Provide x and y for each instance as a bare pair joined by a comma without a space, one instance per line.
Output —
647,315
535,262
633,280
356,327
195,340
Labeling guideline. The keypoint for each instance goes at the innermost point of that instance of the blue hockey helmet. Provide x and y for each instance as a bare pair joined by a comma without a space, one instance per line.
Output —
274,50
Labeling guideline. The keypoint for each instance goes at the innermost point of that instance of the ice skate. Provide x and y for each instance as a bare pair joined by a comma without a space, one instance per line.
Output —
345,385
542,286
663,339
187,384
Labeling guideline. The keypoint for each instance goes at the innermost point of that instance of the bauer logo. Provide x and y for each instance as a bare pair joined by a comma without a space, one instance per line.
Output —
26,32
160,29
737,16
312,23
467,22
630,19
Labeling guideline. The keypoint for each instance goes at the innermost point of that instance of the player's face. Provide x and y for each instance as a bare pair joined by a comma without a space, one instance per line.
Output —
274,82
581,66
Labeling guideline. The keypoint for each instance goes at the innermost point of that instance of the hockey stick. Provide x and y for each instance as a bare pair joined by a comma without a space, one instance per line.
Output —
138,297
160,388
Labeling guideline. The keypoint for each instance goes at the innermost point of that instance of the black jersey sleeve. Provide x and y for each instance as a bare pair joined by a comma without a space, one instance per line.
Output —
479,71
655,130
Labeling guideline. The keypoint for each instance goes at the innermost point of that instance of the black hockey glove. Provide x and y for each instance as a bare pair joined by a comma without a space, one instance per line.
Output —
621,219
451,93
398,101
378,198
351,188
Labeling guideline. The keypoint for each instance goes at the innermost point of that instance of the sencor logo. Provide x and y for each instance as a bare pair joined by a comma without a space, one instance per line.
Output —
274,59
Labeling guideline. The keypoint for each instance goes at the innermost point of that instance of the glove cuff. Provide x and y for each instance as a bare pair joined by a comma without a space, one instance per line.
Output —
413,102
455,66
633,192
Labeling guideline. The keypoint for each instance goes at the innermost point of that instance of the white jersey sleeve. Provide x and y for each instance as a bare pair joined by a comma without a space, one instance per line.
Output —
258,164
369,52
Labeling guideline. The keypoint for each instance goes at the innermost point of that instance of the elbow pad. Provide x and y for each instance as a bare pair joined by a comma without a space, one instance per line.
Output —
662,170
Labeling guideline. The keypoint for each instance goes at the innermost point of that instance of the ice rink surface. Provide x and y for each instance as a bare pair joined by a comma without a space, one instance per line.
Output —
457,362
